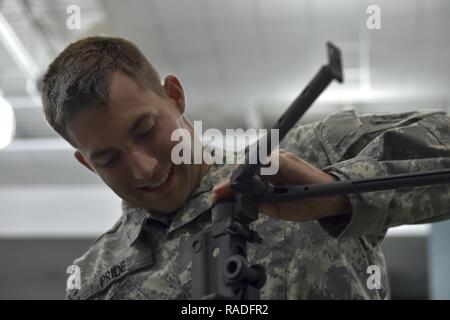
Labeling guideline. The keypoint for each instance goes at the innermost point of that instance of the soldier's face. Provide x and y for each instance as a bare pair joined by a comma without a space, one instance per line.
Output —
129,144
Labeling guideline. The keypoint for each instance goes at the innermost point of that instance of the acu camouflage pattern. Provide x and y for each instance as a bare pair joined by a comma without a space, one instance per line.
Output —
147,256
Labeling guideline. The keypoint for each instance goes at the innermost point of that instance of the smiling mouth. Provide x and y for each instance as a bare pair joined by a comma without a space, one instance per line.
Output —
161,183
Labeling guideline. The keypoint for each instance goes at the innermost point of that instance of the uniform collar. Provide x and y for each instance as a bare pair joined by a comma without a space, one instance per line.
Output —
200,199
134,218
339,131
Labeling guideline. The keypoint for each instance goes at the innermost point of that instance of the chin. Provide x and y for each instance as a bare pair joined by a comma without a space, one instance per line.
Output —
169,206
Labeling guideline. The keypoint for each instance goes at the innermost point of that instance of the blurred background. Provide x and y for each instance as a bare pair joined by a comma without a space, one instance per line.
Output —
241,63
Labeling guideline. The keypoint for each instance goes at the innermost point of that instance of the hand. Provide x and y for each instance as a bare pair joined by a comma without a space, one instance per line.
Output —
295,171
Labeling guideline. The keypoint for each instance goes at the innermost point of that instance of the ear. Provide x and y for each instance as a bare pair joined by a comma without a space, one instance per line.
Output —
79,156
174,91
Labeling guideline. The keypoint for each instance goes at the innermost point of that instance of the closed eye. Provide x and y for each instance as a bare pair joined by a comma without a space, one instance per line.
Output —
146,133
110,162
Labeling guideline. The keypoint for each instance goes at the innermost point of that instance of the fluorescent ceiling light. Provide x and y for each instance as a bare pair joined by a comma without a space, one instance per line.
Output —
7,123
16,49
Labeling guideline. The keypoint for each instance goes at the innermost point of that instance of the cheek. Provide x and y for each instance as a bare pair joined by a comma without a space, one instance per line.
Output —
116,179
163,144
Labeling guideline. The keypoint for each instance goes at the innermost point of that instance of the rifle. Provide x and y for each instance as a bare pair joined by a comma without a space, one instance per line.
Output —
219,253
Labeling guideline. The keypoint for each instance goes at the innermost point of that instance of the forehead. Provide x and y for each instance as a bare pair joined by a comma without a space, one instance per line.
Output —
123,89
127,101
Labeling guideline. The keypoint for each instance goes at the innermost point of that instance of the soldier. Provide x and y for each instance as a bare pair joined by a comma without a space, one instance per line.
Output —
107,101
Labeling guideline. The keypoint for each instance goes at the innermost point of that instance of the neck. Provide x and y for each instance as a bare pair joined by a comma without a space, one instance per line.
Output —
203,169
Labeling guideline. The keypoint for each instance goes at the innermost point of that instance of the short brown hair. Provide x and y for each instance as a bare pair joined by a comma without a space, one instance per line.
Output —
80,76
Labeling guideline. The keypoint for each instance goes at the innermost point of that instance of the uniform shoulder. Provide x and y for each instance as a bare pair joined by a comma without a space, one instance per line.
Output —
102,263
324,141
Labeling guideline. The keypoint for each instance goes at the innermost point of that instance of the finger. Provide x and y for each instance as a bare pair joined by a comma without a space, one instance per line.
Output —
222,191
269,208
284,174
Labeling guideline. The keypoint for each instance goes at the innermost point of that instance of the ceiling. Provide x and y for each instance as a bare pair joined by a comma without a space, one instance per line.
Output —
246,60
241,62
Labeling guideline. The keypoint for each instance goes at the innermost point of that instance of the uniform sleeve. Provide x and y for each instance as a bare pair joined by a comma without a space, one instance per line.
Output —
72,295
416,147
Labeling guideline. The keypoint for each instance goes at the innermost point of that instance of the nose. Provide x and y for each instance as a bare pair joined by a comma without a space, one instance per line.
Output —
142,165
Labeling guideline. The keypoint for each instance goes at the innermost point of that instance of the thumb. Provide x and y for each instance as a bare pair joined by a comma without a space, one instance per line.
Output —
222,191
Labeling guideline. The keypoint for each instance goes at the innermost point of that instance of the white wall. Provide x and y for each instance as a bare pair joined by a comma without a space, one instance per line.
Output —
53,211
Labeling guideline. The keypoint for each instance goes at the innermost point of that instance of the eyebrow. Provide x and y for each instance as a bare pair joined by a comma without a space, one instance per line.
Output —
134,127
139,120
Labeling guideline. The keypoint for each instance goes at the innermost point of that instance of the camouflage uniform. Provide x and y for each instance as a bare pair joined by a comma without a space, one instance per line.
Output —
147,256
